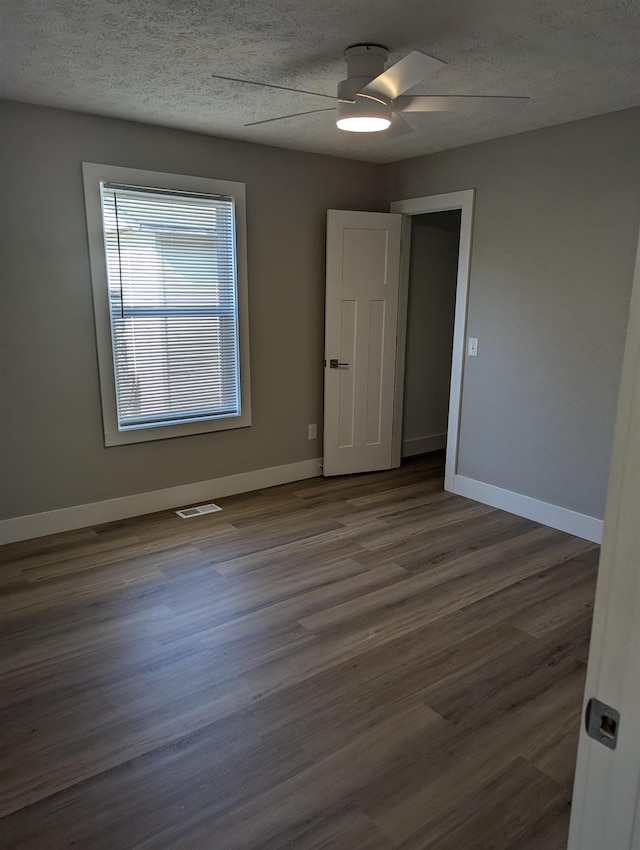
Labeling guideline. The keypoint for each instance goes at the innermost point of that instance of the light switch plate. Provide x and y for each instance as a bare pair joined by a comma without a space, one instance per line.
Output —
472,347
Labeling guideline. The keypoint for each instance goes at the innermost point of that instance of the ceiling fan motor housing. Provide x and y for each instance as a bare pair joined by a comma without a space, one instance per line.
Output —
365,62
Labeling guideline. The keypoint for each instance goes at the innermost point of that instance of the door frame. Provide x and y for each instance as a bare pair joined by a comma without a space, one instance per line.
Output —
464,201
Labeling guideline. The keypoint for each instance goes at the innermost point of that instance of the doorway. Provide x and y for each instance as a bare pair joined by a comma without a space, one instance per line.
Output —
368,262
431,299
462,203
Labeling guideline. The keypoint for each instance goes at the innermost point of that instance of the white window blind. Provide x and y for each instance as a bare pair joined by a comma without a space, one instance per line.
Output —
173,305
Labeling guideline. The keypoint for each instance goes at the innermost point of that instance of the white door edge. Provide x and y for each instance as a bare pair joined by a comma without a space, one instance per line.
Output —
463,201
605,811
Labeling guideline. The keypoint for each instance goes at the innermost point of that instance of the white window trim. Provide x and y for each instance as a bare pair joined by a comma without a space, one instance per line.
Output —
93,175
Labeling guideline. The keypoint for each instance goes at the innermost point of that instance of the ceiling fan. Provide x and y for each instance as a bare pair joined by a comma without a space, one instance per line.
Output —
372,98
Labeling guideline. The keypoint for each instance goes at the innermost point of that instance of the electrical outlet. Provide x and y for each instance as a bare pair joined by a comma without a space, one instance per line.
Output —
313,432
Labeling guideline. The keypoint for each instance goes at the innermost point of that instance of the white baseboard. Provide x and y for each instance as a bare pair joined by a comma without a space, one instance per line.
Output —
580,525
422,445
110,510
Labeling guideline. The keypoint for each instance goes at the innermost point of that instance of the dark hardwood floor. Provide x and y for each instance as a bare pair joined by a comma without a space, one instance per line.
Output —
363,663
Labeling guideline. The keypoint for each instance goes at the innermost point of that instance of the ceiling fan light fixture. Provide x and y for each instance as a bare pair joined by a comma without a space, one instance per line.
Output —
363,123
362,114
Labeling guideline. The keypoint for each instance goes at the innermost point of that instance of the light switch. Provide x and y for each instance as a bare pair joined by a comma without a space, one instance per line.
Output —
472,347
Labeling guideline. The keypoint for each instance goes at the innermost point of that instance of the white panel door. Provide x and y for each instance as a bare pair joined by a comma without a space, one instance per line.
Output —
361,315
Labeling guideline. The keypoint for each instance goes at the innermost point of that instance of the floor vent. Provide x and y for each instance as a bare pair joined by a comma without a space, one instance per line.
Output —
186,513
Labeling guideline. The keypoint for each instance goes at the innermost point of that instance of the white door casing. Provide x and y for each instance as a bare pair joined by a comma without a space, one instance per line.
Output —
463,201
361,314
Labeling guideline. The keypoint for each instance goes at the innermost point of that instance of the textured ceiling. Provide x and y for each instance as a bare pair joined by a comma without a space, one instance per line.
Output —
152,61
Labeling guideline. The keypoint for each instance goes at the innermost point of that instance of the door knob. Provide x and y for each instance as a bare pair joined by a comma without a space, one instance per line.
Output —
333,364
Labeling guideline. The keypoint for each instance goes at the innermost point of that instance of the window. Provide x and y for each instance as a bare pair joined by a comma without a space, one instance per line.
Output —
168,264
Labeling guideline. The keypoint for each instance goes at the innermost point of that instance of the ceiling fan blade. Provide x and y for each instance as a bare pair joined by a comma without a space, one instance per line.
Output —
293,115
398,126
404,75
272,86
459,103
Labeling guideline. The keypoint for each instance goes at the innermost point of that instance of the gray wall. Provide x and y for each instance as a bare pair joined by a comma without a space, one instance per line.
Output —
53,453
432,297
554,239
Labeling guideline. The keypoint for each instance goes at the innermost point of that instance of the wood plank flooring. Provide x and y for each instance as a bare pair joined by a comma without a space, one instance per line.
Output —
361,663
